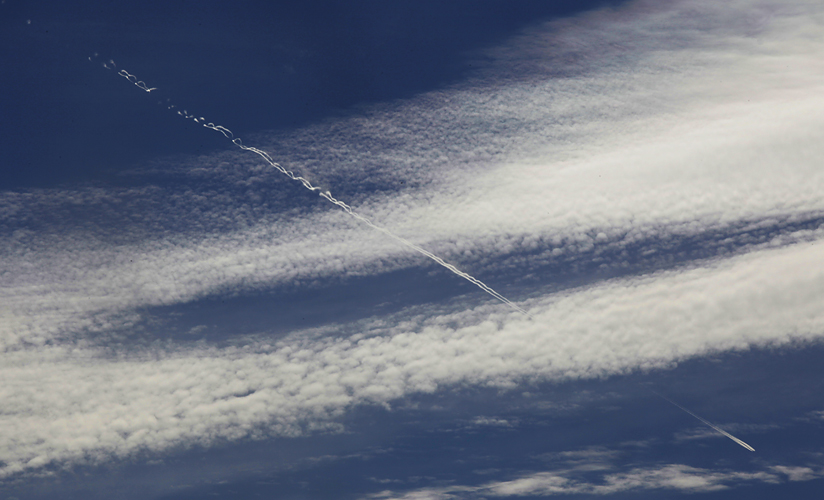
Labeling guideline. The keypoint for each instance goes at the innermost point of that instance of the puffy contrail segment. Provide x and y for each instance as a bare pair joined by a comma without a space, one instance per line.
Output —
742,443
324,194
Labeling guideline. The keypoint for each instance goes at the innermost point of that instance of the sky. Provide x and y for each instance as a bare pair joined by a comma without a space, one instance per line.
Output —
411,250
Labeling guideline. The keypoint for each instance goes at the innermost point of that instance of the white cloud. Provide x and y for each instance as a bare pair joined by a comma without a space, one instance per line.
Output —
673,476
697,126
562,482
87,406
708,121
491,422
796,473
576,476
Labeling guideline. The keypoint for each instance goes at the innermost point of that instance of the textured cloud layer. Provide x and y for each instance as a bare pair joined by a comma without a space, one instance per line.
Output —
597,471
676,477
707,121
88,406
577,137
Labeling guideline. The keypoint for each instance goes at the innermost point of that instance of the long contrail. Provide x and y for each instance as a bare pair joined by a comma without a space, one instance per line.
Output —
722,431
324,194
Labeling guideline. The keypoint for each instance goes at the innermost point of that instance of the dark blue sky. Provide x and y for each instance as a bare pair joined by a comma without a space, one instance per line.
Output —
252,65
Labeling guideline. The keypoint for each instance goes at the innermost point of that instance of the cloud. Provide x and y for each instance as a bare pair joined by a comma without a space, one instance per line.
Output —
667,477
703,131
592,458
674,476
88,405
708,433
594,472
703,124
491,421
618,149
798,473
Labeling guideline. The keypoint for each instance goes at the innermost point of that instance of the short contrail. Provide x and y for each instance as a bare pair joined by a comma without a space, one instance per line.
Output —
742,443
325,194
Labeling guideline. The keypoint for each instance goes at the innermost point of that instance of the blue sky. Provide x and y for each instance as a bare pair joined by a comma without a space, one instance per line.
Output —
179,319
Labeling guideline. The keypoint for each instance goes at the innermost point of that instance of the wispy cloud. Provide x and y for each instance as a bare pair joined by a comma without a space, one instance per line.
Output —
577,476
704,128
798,473
705,433
668,477
674,476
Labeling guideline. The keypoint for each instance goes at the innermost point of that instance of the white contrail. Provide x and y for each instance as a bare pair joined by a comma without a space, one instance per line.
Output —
722,431
139,83
325,194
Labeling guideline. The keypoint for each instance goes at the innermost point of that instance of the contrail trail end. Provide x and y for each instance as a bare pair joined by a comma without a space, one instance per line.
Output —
742,443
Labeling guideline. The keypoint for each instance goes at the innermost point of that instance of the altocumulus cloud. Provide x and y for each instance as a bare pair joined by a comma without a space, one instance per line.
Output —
165,399
576,134
595,472
542,484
